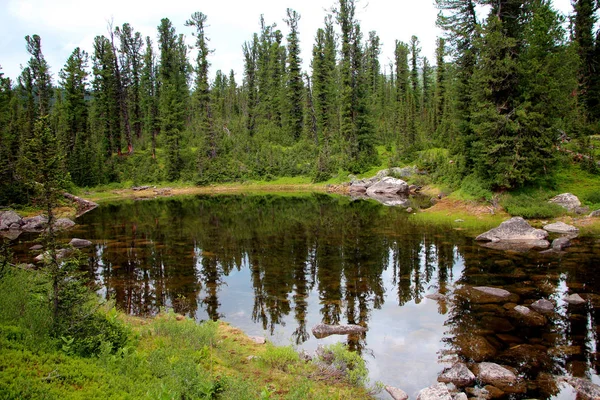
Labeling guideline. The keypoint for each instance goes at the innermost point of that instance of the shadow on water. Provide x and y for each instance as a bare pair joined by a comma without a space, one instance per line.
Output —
279,265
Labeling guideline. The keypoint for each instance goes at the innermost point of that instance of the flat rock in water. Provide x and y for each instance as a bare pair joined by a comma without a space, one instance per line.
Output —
8,218
397,394
543,306
500,377
561,243
323,330
458,374
514,230
561,227
474,347
586,390
527,316
487,295
574,299
388,186
435,392
566,200
80,243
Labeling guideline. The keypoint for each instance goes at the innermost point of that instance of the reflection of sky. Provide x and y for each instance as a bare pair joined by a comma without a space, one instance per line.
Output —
402,344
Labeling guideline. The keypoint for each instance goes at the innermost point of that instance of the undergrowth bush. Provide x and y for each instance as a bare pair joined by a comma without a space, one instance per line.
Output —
528,206
280,357
348,362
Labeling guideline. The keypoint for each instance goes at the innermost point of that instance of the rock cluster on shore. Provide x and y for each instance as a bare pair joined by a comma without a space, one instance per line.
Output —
12,224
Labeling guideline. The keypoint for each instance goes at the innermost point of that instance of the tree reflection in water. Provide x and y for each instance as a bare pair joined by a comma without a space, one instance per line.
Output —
343,260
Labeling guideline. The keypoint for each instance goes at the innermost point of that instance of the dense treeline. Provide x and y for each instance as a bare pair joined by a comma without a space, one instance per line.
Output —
490,111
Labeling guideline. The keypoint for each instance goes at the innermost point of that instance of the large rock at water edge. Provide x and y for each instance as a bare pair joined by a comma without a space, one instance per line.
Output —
561,227
561,243
7,218
388,186
458,374
435,392
566,200
486,294
323,330
515,229
500,377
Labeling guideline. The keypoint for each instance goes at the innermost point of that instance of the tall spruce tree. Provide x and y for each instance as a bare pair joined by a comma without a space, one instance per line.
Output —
295,85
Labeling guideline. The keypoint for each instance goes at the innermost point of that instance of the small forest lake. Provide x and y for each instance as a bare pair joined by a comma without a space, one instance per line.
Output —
278,265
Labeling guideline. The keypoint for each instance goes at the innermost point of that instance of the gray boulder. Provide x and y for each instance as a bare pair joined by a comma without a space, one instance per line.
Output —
34,224
397,394
561,227
574,299
388,186
323,330
80,243
500,377
566,200
458,374
436,392
8,218
515,229
543,306
561,243
594,214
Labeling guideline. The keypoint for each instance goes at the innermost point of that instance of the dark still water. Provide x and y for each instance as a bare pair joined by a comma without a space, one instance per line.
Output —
277,266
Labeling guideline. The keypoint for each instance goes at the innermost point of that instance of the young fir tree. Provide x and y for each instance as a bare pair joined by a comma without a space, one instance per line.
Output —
131,61
149,96
77,142
250,50
173,92
295,87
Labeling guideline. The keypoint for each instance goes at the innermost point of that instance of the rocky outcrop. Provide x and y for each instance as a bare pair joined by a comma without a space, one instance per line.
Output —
458,374
561,227
386,189
567,201
435,392
63,223
323,330
8,219
500,377
517,234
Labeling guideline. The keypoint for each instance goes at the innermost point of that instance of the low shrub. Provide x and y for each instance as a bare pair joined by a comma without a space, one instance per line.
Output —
280,357
527,206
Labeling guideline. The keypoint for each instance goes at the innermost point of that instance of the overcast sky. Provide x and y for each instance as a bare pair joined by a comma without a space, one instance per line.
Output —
66,24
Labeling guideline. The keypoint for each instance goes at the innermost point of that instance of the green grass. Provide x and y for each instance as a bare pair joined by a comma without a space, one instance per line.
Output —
166,357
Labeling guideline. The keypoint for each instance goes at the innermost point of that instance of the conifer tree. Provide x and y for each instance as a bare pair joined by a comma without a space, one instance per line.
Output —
149,96
295,85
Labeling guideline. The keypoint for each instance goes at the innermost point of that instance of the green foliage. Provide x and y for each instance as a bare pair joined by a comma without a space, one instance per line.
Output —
530,206
348,362
475,188
280,357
